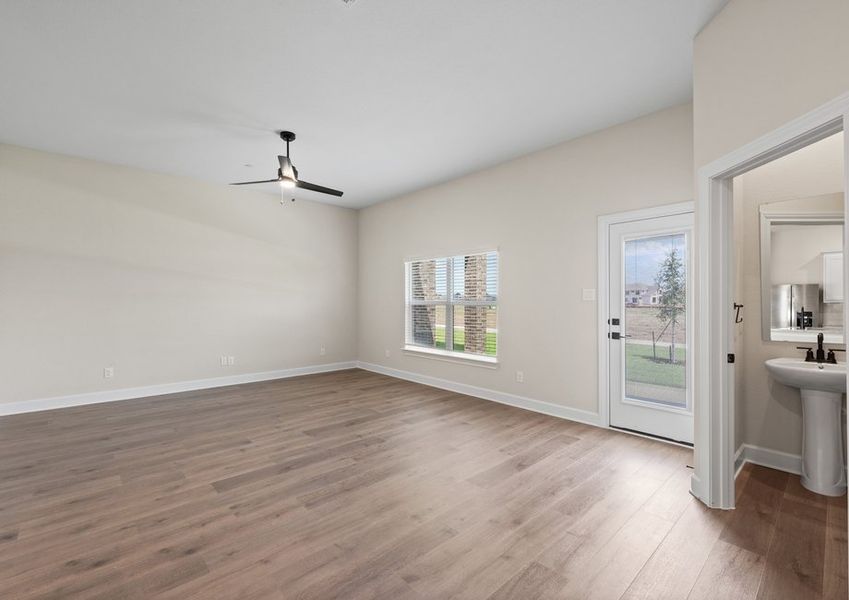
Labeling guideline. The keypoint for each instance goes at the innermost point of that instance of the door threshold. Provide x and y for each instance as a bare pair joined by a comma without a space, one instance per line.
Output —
659,438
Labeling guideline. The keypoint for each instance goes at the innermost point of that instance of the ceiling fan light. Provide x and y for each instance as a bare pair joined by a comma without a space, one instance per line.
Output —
287,183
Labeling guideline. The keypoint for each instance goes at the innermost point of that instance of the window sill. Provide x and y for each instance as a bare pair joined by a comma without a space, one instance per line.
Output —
490,362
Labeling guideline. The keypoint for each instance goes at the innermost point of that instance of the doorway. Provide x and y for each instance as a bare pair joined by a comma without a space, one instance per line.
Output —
713,479
788,282
646,379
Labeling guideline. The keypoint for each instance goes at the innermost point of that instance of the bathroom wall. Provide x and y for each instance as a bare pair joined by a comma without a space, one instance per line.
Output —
739,341
768,415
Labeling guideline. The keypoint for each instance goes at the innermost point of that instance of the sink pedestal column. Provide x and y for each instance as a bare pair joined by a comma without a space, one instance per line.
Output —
822,443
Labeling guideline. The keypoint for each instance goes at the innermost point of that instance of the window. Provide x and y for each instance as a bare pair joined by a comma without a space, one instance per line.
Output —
452,305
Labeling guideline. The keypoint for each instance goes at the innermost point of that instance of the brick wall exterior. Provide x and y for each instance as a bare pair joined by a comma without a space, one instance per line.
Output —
474,320
424,317
474,317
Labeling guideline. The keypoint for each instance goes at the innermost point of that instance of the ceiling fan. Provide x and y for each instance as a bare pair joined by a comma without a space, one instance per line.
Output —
287,174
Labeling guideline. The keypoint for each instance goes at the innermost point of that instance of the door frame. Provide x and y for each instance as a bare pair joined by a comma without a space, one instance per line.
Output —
713,479
603,285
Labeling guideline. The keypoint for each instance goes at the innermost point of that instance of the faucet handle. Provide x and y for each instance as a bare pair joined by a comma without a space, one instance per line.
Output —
809,355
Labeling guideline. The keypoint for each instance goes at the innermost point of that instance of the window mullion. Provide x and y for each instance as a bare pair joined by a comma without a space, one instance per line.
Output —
449,306
408,301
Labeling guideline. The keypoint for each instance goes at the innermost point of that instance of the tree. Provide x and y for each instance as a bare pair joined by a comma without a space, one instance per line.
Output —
671,282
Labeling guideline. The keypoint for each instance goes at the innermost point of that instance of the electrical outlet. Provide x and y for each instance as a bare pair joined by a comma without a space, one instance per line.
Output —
231,360
108,372
223,361
322,352
387,353
588,295
520,377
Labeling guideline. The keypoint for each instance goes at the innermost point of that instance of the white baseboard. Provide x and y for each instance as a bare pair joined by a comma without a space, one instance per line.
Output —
774,459
26,406
546,408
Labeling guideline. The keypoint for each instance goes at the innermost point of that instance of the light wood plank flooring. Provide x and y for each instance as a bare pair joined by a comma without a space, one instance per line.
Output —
353,485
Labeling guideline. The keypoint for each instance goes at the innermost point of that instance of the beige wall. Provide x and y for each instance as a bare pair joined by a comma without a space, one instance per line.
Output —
159,276
540,212
761,63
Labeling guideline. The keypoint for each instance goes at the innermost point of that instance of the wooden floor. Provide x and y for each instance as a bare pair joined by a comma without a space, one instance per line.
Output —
354,485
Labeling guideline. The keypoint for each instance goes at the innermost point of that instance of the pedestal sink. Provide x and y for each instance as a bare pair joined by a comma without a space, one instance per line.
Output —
822,387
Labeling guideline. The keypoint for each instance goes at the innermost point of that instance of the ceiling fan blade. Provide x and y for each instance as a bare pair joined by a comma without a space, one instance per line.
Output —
286,168
253,182
304,185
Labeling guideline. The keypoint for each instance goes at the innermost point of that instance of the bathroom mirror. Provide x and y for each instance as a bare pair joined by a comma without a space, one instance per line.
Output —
801,273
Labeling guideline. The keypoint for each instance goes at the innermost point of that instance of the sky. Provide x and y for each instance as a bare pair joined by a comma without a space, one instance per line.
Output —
644,255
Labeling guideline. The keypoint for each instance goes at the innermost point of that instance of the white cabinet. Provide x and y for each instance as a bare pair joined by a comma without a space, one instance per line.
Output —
832,277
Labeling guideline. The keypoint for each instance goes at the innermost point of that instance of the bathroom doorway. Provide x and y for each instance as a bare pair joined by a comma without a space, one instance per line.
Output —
788,274
755,300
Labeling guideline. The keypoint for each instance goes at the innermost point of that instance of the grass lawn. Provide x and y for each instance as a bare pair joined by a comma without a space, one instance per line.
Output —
643,368
460,340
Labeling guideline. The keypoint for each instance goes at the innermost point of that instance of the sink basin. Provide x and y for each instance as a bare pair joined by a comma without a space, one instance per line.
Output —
821,387
808,376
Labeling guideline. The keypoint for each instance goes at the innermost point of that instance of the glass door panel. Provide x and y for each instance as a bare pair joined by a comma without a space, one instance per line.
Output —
655,318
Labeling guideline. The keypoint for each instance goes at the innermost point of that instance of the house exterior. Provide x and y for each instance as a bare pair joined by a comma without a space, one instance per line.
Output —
640,294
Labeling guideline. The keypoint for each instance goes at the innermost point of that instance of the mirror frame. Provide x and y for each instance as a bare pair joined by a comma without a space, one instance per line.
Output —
768,218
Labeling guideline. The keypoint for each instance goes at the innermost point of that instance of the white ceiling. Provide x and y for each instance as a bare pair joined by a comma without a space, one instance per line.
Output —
386,96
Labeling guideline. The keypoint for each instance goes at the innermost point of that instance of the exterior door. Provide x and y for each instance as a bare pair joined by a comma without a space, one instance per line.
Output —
650,365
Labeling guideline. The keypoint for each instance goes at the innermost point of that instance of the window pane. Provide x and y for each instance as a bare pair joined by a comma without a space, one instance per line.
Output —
429,279
475,277
475,330
428,326
655,319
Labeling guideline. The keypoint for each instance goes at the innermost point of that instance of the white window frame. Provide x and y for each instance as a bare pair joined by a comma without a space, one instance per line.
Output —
449,303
